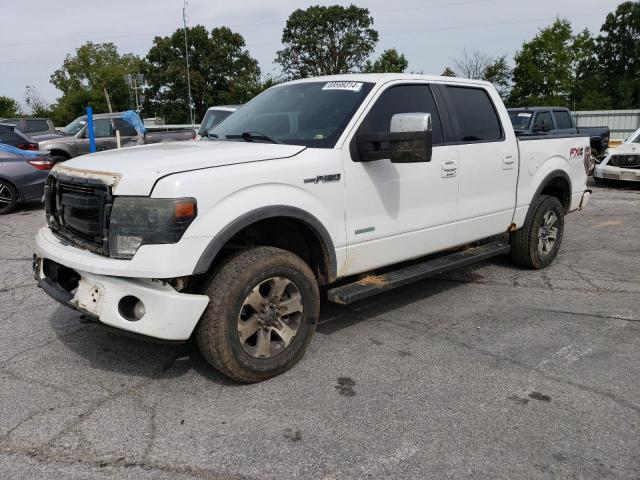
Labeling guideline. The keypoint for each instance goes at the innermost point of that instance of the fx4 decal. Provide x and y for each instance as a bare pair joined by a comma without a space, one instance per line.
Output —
576,152
334,177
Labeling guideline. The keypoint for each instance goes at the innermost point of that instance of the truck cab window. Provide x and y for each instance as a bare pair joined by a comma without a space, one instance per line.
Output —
102,128
477,117
563,119
125,128
402,99
543,122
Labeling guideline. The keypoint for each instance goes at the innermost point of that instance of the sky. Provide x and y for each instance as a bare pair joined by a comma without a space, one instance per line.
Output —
36,35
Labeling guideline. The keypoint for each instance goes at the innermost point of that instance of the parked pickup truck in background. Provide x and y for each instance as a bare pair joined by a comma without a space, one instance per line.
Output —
330,181
213,117
557,120
73,139
32,125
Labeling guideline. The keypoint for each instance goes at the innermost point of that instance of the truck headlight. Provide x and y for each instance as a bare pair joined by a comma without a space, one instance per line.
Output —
137,221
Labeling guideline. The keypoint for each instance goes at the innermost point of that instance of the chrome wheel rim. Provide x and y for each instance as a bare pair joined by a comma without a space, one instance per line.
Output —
270,317
548,233
5,194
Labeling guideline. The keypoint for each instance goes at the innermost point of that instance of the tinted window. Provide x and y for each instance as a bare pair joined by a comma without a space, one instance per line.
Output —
402,99
477,117
563,119
102,127
543,122
9,137
125,128
211,119
37,126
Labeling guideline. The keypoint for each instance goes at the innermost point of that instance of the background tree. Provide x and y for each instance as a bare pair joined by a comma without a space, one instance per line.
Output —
326,41
36,105
8,107
545,66
448,72
221,71
390,61
472,64
618,55
498,72
83,77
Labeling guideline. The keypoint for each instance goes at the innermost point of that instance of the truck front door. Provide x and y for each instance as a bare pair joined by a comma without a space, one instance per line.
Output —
396,212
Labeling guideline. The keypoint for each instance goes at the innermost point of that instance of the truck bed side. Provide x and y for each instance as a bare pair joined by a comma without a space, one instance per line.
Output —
546,158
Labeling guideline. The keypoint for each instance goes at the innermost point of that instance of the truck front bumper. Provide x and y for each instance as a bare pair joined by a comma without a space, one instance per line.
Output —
166,313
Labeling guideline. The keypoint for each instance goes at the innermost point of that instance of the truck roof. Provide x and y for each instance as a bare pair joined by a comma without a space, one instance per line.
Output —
533,109
388,77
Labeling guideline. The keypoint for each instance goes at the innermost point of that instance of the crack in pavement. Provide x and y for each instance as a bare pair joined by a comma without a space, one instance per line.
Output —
594,315
49,456
7,361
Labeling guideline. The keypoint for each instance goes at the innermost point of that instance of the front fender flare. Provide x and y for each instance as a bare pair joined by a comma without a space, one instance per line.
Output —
263,213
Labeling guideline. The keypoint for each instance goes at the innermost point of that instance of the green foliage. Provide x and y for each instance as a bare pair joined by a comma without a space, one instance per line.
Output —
8,107
326,41
390,61
545,66
221,71
83,77
499,73
448,72
35,104
618,55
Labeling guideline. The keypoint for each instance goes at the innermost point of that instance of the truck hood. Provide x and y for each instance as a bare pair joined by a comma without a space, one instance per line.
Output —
626,149
51,136
135,170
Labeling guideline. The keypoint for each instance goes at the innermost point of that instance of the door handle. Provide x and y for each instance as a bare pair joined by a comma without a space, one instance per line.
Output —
508,162
449,168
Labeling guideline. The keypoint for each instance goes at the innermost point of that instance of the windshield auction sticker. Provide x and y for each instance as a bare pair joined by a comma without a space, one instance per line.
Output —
526,115
351,86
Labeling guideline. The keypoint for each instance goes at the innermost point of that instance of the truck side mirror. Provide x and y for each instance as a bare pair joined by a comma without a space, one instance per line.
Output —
409,140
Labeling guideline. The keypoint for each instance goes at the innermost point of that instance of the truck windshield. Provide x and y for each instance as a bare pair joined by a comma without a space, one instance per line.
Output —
211,119
520,120
313,114
75,126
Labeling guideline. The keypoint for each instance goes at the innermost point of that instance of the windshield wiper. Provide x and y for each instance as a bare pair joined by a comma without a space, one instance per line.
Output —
251,136
210,135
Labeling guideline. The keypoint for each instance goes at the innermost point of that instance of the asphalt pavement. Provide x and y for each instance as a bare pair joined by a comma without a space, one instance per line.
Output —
489,372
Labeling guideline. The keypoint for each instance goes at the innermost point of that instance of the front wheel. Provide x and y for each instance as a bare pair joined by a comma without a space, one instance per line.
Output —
263,310
536,244
8,197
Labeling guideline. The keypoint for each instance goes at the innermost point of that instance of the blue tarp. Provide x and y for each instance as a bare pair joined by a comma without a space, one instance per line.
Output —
134,120
25,153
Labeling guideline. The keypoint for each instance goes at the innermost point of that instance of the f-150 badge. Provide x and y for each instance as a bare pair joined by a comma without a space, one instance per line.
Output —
334,177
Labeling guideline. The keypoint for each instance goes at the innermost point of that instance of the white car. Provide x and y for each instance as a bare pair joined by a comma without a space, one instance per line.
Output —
621,163
328,181
213,117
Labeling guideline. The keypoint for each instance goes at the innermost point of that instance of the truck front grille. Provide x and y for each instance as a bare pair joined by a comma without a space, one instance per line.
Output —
78,210
625,161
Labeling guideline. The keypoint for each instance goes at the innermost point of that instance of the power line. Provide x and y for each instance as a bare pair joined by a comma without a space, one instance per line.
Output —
270,22
403,32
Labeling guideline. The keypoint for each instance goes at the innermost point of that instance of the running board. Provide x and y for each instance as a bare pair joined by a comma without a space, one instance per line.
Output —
373,284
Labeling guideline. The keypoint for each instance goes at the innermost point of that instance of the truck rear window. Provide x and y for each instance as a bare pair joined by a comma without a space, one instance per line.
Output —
477,117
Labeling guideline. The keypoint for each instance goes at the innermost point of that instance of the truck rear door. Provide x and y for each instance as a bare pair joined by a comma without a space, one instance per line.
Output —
488,162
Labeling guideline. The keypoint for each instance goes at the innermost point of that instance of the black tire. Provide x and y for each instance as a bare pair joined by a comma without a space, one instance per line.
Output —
8,197
525,248
218,333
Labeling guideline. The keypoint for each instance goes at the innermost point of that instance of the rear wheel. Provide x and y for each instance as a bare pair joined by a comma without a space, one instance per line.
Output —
536,244
263,311
8,197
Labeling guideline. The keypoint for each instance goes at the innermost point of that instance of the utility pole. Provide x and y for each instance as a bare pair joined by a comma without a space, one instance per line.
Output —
186,54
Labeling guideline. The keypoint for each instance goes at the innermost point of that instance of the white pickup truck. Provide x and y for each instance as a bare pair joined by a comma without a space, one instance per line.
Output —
323,182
